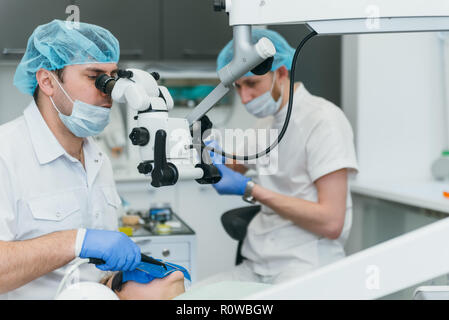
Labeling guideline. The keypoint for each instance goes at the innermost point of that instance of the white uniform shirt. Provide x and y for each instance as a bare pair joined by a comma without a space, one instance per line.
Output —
318,141
43,189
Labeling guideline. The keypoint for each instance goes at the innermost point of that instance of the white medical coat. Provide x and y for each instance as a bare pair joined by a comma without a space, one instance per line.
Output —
318,141
43,189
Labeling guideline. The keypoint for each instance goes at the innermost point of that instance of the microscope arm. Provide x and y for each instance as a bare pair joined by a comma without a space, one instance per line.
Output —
248,57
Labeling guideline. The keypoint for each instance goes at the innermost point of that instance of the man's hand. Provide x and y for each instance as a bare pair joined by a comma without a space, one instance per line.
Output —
215,157
118,251
231,183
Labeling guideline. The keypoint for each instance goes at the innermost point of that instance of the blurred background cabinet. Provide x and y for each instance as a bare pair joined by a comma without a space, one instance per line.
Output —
167,30
319,62
18,19
135,23
193,30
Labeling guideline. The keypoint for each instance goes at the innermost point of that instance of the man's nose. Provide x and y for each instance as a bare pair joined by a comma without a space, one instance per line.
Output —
105,98
246,95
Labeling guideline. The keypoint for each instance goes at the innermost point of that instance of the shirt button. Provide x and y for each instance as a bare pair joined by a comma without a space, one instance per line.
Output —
97,214
96,160
58,214
100,154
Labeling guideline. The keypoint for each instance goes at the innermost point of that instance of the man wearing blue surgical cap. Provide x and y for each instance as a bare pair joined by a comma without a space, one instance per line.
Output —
303,191
58,199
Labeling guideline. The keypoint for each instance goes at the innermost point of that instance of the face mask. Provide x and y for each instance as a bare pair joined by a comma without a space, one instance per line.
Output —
86,120
264,105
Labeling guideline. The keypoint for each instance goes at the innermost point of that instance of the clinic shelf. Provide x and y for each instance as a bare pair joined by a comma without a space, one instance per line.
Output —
186,75
182,70
422,194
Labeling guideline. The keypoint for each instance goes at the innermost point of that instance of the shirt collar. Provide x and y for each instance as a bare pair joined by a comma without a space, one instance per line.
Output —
45,144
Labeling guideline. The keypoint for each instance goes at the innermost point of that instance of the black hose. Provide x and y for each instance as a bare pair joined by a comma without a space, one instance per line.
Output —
287,117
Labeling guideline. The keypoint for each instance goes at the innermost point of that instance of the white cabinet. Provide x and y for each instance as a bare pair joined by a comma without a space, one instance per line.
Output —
201,207
178,249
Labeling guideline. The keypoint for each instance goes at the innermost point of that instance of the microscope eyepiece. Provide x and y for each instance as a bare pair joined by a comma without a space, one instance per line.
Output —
125,73
105,83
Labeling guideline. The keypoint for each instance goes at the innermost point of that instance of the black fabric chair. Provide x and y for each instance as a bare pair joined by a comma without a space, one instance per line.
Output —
236,222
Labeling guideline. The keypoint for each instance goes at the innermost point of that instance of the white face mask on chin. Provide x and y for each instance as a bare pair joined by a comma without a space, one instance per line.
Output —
264,105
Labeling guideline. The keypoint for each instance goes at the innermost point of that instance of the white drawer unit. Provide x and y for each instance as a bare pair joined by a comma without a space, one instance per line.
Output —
168,251
179,249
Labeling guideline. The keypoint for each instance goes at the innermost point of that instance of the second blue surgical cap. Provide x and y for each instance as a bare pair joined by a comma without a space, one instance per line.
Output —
61,43
284,52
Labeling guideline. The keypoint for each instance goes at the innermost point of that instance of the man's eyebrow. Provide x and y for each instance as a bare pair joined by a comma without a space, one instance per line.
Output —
100,70
250,80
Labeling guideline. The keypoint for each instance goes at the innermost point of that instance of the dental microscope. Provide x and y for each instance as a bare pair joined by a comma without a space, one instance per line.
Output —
172,149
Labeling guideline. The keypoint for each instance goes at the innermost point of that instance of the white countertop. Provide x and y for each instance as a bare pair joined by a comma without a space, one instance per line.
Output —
423,194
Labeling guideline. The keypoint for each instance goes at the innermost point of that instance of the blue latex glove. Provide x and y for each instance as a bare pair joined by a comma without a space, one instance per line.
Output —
118,251
231,182
215,157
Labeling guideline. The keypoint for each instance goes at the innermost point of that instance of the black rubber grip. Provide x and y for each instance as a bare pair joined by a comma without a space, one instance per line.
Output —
96,261
144,258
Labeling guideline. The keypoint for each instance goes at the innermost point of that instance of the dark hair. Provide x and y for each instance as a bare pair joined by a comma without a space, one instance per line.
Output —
59,73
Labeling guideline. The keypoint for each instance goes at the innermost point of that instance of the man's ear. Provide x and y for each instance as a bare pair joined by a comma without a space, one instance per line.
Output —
282,72
45,82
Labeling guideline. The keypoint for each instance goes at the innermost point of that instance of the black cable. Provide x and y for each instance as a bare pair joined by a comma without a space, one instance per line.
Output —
287,117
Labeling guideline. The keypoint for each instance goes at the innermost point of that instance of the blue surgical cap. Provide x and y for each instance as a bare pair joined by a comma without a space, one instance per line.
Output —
283,57
62,43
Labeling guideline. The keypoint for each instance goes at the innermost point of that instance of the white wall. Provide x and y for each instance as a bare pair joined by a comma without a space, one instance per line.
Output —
393,95
12,101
